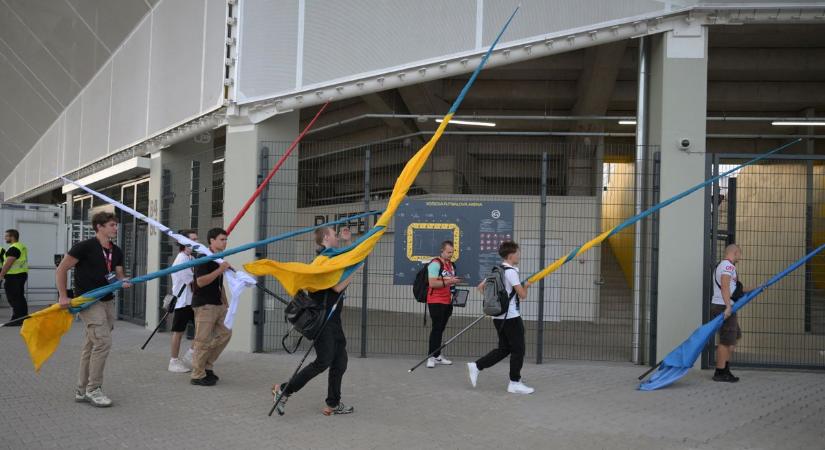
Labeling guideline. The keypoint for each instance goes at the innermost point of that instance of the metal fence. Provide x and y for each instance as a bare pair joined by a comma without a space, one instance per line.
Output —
775,211
562,195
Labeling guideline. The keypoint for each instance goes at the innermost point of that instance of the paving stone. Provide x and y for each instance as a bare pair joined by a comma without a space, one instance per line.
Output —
577,405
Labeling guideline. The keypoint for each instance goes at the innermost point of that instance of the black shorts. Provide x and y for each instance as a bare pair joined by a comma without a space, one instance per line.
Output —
182,317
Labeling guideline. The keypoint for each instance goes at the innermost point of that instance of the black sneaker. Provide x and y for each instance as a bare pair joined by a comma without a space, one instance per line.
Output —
211,374
340,409
725,377
205,381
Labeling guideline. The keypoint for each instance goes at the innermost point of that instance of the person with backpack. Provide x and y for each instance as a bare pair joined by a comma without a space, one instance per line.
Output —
330,345
508,323
442,280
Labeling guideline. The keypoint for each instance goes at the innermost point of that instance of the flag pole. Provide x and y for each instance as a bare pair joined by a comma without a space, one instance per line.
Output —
272,172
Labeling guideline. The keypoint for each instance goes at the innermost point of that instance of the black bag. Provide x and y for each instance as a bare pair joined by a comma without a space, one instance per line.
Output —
306,314
421,285
171,300
737,293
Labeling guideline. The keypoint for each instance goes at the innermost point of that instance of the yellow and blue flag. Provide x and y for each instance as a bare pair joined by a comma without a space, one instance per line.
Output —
334,265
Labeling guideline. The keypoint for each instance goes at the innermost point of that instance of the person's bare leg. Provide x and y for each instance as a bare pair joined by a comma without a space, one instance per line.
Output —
723,354
176,339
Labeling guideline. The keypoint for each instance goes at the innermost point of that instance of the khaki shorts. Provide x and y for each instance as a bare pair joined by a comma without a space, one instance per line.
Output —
730,331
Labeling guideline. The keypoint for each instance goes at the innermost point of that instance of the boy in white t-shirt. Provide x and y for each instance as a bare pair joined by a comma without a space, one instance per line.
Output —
182,283
509,325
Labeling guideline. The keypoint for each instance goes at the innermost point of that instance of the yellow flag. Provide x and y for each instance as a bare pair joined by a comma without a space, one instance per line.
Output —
325,272
43,330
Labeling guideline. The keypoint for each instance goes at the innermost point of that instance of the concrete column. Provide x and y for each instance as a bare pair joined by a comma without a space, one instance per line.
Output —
241,169
678,105
153,294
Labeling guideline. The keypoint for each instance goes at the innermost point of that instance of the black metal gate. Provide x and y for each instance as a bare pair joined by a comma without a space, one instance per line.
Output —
133,238
775,211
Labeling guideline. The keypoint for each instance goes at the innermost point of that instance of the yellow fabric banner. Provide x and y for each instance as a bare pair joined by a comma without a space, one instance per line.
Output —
325,272
43,330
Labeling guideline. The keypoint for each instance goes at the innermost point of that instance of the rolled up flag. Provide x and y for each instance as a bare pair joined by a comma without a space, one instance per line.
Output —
677,363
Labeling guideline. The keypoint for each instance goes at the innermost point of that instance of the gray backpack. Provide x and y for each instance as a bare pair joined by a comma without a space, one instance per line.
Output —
496,299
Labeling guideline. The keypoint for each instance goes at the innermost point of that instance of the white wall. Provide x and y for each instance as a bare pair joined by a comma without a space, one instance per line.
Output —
286,46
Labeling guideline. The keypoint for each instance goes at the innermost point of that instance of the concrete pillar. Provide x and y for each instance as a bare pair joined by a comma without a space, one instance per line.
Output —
153,294
678,105
241,169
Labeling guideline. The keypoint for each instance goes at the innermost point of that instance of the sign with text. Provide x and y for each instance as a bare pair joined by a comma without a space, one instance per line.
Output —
476,229
357,226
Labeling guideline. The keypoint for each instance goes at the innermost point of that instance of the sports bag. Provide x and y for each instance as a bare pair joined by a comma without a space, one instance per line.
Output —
496,300
306,314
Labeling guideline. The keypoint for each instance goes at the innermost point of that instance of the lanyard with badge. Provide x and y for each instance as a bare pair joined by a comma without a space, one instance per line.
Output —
111,277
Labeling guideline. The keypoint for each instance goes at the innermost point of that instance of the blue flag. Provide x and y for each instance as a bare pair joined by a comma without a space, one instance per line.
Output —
677,363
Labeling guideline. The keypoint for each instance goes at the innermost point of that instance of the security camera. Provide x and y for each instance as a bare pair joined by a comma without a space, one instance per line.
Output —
684,144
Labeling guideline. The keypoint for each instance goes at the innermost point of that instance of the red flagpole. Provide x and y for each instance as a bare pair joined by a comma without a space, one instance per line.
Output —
274,169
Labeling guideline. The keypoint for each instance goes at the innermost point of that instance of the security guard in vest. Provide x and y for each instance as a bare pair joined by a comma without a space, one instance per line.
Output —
14,273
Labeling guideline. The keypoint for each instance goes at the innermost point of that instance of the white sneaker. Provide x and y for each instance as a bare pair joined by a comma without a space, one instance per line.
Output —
430,362
443,361
177,366
473,369
517,387
187,358
98,398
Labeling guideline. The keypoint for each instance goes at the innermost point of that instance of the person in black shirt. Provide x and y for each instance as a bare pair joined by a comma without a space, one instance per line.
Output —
210,306
97,262
331,344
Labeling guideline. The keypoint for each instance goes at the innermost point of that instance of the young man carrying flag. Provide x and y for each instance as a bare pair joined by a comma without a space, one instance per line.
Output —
509,325
331,344
96,262
210,306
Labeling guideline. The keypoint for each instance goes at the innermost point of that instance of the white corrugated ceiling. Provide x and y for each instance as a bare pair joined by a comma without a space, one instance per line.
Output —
49,50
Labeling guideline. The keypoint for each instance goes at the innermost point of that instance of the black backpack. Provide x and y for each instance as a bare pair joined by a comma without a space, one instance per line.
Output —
421,285
307,316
